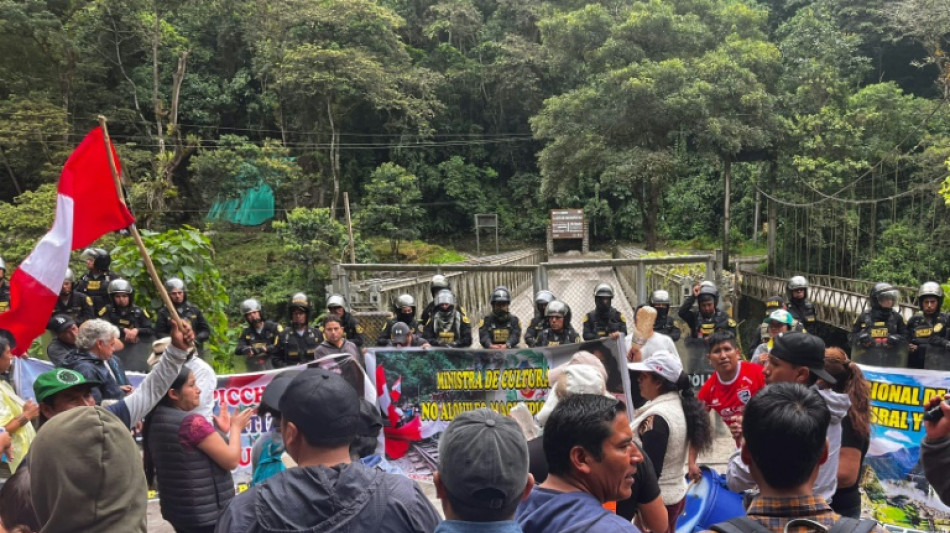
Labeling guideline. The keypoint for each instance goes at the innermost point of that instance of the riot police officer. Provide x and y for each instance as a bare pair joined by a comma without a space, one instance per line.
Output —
540,321
882,327
439,283
260,340
604,320
186,310
500,329
300,340
799,306
95,282
352,330
404,310
72,302
558,331
707,319
772,304
133,322
928,327
660,300
448,327
4,287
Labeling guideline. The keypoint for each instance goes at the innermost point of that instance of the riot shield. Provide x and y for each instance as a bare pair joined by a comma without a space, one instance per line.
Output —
134,357
881,355
936,358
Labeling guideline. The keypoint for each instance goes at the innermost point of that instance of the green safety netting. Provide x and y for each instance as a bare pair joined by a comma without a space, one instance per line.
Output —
253,208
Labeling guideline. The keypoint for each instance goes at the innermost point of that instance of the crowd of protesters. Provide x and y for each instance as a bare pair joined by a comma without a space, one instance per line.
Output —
798,411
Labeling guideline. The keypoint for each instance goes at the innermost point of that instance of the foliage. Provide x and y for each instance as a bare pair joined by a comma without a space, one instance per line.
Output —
390,207
313,240
185,253
24,222
907,256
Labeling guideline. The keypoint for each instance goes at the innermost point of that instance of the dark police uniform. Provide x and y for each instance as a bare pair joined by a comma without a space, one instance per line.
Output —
537,324
549,337
457,334
491,330
96,286
131,317
804,313
701,327
187,311
76,305
879,327
260,348
598,325
386,333
298,347
927,331
4,296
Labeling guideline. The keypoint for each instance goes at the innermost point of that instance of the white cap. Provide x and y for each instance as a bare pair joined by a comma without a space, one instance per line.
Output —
664,363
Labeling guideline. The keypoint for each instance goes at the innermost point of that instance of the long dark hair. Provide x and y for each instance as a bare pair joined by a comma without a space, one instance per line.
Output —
183,375
699,432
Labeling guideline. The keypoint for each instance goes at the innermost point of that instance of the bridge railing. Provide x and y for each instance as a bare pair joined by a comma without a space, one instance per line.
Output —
371,288
834,305
908,295
660,273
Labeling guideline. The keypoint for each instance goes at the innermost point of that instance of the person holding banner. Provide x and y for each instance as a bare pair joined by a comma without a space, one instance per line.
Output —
935,447
191,461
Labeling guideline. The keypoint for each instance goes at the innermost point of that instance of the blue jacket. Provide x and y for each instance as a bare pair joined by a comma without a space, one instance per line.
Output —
94,368
550,511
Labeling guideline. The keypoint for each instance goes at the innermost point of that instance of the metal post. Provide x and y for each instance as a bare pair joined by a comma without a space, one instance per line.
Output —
641,281
496,234
478,242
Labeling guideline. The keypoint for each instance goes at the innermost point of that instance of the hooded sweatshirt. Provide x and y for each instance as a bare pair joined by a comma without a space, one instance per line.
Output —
87,474
737,473
343,498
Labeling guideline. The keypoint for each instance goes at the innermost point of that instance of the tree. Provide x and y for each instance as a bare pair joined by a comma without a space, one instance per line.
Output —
185,253
390,207
313,239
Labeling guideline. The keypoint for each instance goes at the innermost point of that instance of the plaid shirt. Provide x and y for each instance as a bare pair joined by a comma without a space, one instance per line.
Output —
774,513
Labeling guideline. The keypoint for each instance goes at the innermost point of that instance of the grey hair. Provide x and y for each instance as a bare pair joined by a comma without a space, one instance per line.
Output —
94,330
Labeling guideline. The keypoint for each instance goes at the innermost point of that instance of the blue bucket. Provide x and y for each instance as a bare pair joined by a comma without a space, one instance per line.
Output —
709,502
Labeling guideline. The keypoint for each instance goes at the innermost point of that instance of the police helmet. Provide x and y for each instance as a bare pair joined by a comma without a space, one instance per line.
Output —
543,298
660,297
604,290
249,306
335,300
300,301
445,296
500,295
882,292
120,286
557,308
102,260
931,288
708,292
70,276
175,284
795,283
89,253
438,283
405,300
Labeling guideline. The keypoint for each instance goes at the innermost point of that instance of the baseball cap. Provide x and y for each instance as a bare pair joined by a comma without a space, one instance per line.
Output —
782,316
662,362
323,406
483,462
802,349
371,423
60,323
275,390
399,332
54,381
773,302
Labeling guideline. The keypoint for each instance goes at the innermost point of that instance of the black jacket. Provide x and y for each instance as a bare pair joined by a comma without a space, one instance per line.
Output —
297,348
598,325
77,305
163,322
549,337
494,331
94,368
701,327
260,348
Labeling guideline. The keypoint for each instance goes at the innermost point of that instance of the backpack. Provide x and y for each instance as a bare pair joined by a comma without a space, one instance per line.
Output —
269,463
744,524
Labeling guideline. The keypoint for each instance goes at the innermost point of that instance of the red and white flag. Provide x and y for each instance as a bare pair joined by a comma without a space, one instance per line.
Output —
384,399
87,207
396,392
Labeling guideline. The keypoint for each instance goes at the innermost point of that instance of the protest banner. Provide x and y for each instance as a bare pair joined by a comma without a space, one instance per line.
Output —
436,385
894,483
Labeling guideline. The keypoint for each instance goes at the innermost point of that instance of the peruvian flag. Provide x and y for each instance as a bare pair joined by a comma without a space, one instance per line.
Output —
396,393
383,397
87,207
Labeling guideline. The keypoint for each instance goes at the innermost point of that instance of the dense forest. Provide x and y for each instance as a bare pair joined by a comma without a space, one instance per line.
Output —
823,122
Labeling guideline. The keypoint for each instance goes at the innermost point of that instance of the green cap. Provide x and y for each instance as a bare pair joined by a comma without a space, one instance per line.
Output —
54,381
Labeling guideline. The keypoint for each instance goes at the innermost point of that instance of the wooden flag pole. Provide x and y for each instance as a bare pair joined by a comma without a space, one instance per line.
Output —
159,286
